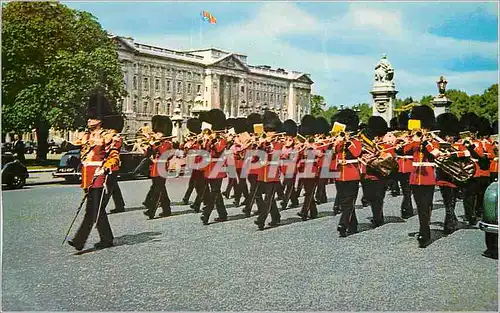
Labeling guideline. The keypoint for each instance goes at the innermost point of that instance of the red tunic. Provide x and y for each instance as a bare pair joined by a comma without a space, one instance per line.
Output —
158,150
423,169
216,151
347,160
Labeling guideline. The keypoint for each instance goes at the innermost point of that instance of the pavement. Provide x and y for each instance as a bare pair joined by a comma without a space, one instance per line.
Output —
178,264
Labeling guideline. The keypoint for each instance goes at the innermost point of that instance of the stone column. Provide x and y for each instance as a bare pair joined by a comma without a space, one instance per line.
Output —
441,102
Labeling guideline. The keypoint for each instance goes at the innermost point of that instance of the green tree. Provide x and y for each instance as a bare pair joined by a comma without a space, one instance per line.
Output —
318,104
427,100
52,57
460,102
489,102
365,111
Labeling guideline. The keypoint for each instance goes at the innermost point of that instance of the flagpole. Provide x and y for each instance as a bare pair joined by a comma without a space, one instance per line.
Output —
201,37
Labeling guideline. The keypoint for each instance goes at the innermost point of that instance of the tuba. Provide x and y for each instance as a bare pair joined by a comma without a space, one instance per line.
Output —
460,169
375,159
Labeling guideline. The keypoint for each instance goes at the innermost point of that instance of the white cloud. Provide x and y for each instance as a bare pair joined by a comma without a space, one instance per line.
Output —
346,78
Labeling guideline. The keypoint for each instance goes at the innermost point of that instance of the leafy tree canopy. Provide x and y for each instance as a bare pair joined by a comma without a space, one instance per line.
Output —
52,57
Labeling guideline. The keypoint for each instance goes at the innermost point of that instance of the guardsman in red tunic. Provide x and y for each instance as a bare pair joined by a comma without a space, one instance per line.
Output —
114,124
308,170
239,148
269,177
194,127
405,167
448,125
347,151
159,145
374,184
323,128
289,158
250,167
423,178
484,132
214,173
471,124
97,164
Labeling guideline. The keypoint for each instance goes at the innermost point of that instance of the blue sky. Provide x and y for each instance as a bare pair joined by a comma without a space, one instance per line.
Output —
338,43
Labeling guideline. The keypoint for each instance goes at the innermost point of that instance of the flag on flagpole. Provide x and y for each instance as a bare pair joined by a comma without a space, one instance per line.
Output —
208,17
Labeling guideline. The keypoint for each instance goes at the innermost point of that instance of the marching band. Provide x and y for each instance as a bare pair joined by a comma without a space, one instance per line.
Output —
266,160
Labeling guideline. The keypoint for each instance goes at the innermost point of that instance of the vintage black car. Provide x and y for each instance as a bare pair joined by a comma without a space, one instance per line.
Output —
489,222
131,167
14,173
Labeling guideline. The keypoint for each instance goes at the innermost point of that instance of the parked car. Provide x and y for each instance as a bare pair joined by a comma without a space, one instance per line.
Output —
14,173
70,166
30,147
489,222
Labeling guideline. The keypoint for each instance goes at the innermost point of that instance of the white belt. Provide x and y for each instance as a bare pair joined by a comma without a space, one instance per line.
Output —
424,164
495,159
92,163
404,156
347,162
273,163
217,159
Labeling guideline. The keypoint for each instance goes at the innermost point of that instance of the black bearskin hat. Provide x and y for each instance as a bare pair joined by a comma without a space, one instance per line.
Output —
230,122
240,125
203,117
425,114
162,124
271,122
470,122
377,127
115,122
362,126
484,128
347,117
403,119
494,128
307,125
393,124
98,106
194,125
290,127
217,118
322,126
253,118
448,124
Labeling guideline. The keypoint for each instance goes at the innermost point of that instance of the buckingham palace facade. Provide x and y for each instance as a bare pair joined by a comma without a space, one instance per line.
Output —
159,80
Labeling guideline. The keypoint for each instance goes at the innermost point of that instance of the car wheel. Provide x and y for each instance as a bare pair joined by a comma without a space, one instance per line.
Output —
72,180
17,182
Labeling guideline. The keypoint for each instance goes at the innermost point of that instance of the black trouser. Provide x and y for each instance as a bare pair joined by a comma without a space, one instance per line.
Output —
449,195
423,195
91,209
230,184
202,189
254,193
471,200
280,190
374,193
309,204
113,191
215,199
191,186
406,204
300,184
393,185
240,188
157,196
321,191
347,193
290,193
493,177
268,205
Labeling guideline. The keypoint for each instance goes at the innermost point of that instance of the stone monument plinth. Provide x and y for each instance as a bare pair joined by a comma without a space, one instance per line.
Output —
441,102
384,90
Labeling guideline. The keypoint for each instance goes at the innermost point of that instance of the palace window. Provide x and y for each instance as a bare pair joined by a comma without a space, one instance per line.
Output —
135,82
265,96
146,84
157,108
198,88
278,98
179,87
134,106
179,73
157,84
145,107
271,98
190,75
250,95
189,88
169,86
258,96
242,88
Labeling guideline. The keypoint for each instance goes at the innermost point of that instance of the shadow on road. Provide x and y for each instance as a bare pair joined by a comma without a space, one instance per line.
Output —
437,234
126,240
